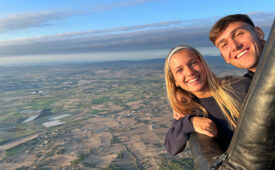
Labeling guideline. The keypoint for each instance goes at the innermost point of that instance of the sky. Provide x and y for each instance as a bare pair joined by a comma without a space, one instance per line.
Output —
53,31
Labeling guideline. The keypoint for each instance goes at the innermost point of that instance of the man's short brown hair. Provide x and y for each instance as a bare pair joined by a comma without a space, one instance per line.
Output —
222,24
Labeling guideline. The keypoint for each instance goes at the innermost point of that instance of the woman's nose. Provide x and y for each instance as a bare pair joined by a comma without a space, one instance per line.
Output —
189,71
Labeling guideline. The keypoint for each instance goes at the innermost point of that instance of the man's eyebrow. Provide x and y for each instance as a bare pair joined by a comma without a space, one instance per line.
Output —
221,41
235,30
191,61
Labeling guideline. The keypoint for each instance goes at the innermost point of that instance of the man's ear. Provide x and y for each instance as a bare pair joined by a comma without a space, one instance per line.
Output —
224,59
259,33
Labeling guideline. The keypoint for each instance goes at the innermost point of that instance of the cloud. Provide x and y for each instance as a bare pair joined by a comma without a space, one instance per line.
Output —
44,18
155,36
261,17
135,39
27,20
115,30
82,57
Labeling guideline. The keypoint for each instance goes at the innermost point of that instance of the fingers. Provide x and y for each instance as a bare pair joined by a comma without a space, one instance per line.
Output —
207,133
211,132
212,129
204,126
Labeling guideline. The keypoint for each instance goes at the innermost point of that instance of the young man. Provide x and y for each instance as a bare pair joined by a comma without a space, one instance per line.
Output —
239,41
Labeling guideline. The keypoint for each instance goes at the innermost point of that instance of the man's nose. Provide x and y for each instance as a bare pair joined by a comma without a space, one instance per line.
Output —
234,44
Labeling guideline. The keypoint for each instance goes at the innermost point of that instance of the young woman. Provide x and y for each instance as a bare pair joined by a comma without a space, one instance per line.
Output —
200,101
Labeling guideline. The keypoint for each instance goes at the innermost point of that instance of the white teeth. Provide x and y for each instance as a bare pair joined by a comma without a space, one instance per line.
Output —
195,79
242,53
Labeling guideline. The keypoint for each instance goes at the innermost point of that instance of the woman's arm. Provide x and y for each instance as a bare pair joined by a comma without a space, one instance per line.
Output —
179,132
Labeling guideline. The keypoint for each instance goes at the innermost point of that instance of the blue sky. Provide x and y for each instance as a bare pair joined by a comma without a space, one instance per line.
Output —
34,31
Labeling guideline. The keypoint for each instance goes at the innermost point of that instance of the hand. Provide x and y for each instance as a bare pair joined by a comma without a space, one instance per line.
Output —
204,126
177,116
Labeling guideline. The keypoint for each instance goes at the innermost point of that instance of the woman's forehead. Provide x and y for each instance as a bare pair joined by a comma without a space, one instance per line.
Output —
184,56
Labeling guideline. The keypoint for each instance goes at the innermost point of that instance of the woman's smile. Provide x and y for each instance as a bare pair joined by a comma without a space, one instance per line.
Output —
193,80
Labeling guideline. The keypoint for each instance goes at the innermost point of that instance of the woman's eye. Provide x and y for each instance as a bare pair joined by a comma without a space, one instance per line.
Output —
179,70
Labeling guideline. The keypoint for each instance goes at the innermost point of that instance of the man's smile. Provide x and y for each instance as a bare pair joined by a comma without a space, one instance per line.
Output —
241,54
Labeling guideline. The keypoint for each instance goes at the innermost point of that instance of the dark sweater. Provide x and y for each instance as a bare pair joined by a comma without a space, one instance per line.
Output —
249,74
179,131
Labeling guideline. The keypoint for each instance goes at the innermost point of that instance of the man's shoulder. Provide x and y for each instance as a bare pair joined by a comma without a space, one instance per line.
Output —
238,83
249,74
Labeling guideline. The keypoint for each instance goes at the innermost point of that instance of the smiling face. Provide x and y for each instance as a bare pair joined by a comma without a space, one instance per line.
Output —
189,73
241,45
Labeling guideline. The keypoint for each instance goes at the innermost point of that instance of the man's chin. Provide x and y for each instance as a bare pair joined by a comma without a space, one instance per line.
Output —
244,66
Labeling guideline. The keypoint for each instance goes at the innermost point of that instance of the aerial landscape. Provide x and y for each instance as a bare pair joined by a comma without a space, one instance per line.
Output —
82,82
109,115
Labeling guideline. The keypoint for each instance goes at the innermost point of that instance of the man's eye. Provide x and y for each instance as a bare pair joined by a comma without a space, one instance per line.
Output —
239,34
194,63
224,45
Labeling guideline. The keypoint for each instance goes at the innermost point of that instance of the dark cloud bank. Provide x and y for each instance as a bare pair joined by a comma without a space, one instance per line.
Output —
144,37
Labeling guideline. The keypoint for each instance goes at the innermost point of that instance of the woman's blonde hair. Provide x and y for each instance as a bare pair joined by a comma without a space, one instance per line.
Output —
221,91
